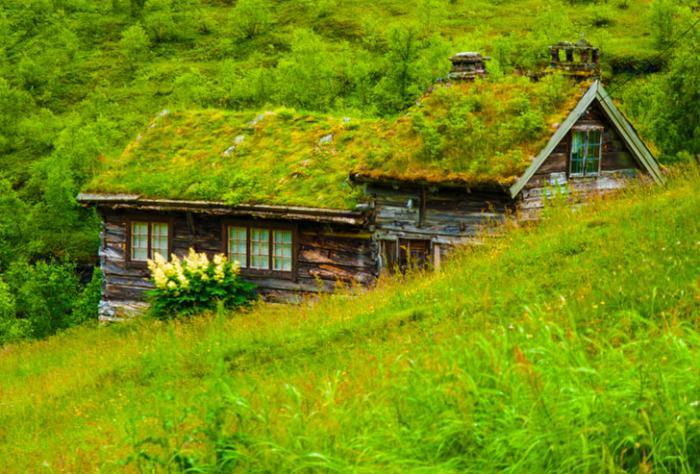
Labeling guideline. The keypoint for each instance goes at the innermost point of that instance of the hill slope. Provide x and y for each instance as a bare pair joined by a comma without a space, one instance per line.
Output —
570,346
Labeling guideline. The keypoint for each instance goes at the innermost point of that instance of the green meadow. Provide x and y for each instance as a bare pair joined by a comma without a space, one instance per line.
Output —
568,346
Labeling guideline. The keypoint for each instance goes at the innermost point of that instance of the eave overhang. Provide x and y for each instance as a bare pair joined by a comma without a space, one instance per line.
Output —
450,183
136,202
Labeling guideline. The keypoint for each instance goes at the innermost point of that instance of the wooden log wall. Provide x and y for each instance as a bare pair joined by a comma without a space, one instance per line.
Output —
444,216
447,216
617,167
327,256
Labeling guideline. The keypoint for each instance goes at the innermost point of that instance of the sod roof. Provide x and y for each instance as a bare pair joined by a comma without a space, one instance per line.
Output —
481,133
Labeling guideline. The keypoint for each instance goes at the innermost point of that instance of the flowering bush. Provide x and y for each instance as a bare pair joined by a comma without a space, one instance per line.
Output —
195,284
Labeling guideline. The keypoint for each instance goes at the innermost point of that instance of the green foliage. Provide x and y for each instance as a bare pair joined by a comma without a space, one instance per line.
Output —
570,346
661,13
665,105
195,284
15,228
11,328
86,305
170,20
45,295
410,65
134,43
250,18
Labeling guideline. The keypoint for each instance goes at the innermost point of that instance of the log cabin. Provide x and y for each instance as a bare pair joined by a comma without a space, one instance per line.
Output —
308,202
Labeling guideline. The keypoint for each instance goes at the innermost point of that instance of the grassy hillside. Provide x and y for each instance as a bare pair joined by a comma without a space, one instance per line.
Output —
80,79
570,346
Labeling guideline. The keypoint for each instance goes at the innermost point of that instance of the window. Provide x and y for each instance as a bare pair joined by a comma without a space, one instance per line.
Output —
282,250
238,245
148,239
405,254
261,249
585,152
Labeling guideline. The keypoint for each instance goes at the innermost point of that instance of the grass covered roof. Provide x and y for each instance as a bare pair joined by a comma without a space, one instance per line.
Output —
481,133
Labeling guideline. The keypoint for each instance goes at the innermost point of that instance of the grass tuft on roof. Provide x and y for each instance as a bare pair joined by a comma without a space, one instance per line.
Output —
481,133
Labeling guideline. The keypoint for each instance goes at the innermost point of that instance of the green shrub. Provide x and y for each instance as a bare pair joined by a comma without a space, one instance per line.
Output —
86,305
661,22
134,43
251,18
44,294
11,328
195,284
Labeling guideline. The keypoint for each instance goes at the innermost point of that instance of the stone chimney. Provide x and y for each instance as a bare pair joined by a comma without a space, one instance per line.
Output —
578,59
467,66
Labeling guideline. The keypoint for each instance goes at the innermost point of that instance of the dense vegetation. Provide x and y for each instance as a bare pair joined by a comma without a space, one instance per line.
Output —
80,78
573,346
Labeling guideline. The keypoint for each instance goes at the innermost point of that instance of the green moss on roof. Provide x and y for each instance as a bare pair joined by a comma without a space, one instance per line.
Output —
482,133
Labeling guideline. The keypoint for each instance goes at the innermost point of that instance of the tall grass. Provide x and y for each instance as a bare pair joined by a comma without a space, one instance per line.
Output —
567,346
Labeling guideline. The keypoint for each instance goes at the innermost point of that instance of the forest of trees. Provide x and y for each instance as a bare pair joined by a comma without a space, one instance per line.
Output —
78,78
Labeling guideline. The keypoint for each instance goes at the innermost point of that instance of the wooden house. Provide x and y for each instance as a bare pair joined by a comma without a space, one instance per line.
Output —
308,202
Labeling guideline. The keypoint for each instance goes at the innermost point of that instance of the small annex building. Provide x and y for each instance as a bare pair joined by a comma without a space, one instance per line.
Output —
305,202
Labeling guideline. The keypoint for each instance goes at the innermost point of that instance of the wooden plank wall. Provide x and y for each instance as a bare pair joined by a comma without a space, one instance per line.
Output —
448,216
328,256
617,166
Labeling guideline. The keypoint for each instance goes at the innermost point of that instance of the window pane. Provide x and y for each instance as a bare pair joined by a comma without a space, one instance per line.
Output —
260,249
237,245
593,155
159,239
139,241
282,250
577,152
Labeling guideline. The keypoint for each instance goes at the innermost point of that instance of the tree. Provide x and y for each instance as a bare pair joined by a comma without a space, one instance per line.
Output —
410,65
134,44
661,13
665,106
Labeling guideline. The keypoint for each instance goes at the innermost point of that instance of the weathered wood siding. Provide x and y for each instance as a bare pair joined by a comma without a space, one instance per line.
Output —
328,255
617,167
448,217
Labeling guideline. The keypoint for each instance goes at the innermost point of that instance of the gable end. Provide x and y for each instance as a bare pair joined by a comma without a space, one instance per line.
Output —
636,146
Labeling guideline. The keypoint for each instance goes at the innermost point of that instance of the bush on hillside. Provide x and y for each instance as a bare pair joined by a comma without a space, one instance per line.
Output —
195,284
11,328
48,297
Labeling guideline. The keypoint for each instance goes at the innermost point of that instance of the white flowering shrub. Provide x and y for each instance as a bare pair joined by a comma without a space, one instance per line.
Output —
195,284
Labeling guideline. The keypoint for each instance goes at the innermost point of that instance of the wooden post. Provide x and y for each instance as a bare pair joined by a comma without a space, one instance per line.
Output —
436,256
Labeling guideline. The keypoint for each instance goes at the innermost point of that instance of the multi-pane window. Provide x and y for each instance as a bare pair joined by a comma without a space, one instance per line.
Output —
148,239
282,250
261,248
585,152
159,239
238,245
139,241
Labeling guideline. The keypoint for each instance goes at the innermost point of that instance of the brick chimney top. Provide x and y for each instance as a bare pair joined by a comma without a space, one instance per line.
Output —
467,66
580,59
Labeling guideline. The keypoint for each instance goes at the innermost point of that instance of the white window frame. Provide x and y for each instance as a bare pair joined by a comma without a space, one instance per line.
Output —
586,142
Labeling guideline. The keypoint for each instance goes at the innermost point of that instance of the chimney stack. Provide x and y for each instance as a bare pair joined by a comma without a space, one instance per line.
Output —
580,59
468,65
